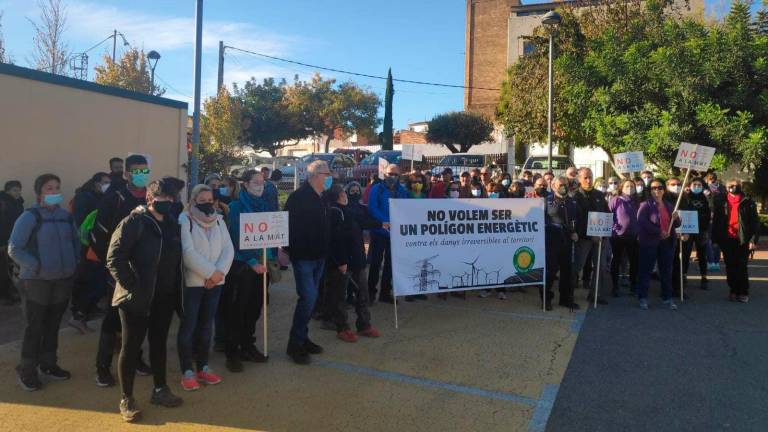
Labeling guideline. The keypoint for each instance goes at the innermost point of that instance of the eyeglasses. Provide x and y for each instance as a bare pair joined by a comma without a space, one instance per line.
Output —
140,171
657,188
393,175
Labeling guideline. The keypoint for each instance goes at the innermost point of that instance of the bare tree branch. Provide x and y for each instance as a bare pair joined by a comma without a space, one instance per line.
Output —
50,52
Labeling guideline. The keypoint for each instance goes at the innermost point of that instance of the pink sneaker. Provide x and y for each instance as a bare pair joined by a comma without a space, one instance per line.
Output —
207,376
371,332
347,336
189,382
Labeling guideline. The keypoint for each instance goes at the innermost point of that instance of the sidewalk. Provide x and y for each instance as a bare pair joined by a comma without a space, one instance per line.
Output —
479,364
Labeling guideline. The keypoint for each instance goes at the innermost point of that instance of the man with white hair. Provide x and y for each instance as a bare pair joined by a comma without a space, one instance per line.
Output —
309,237
378,207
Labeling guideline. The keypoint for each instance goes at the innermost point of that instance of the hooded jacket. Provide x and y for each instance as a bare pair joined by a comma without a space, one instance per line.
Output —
205,250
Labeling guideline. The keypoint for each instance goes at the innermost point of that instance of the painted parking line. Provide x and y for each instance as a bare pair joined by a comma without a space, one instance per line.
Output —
502,313
542,406
424,382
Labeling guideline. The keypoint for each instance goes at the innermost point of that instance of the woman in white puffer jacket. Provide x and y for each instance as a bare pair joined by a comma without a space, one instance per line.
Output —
207,255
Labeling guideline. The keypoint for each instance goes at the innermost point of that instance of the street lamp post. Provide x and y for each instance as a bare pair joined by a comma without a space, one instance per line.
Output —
194,164
551,19
153,57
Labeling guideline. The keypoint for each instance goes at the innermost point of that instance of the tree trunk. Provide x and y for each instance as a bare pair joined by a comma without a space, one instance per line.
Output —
452,148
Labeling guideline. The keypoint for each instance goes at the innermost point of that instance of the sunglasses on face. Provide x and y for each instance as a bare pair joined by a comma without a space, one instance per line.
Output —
393,175
140,171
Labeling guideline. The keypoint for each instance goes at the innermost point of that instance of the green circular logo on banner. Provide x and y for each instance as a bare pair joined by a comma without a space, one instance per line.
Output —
524,259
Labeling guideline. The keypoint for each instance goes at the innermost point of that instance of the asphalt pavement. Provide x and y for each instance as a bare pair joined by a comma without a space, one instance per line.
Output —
701,368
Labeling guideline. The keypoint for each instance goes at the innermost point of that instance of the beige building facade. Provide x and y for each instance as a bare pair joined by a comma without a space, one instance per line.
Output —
496,32
71,128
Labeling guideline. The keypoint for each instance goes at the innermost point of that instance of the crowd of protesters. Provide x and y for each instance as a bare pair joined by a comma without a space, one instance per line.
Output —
155,254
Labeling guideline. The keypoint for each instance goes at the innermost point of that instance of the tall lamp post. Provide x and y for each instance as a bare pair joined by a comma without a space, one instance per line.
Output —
153,57
194,164
552,19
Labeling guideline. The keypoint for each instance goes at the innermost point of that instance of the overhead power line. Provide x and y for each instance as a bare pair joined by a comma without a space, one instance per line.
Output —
358,73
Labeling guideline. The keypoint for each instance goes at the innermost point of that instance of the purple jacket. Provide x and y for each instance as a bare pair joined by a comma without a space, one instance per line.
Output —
649,225
624,212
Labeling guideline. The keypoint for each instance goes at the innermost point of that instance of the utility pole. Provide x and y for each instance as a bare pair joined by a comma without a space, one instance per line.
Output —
114,45
194,163
220,81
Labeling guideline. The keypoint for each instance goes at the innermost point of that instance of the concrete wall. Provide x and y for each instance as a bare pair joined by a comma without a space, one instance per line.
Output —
60,127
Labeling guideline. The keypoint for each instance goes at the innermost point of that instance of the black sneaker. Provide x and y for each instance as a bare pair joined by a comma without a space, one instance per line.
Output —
129,411
55,373
574,306
312,348
299,355
234,365
143,368
104,377
165,397
252,354
29,381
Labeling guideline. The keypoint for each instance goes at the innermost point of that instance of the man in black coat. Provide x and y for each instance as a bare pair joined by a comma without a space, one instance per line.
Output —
308,238
144,258
11,207
588,199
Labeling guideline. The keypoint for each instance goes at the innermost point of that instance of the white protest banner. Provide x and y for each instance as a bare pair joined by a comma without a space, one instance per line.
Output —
599,224
383,164
629,162
694,157
263,230
413,152
689,222
466,244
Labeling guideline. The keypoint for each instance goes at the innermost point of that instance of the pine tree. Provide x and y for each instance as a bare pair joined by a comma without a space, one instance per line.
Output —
387,133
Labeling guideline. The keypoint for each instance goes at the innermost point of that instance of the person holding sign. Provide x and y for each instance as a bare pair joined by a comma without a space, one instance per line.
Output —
736,228
624,235
560,234
207,256
655,218
589,199
696,200
309,237
243,298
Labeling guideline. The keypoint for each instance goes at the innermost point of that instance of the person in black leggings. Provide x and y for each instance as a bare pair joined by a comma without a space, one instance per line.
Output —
145,242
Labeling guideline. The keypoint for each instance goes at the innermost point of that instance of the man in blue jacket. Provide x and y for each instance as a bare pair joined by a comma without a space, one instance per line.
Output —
378,207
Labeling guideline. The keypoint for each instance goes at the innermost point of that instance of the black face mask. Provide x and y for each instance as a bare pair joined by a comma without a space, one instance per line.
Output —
735,189
165,208
541,192
390,181
354,198
206,208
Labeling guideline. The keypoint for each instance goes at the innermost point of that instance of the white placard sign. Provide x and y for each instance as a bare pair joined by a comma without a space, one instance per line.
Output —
629,162
694,156
689,222
263,230
383,164
466,244
599,224
414,152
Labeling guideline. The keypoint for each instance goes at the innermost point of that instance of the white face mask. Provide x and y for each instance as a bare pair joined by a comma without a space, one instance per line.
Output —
611,187
639,189
104,187
476,192
453,194
674,189
601,188
647,180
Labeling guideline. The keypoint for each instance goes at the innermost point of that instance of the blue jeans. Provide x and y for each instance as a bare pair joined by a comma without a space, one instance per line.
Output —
307,274
663,254
194,338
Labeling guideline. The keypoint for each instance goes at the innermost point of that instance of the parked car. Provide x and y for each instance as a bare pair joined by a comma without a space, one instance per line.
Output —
459,162
370,164
356,154
539,164
337,162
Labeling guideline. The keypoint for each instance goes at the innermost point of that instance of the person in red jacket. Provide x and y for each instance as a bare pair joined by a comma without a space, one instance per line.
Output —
439,189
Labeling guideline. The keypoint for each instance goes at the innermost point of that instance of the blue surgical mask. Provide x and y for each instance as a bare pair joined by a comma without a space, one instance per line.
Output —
140,180
224,191
506,182
697,189
53,199
327,183
493,195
